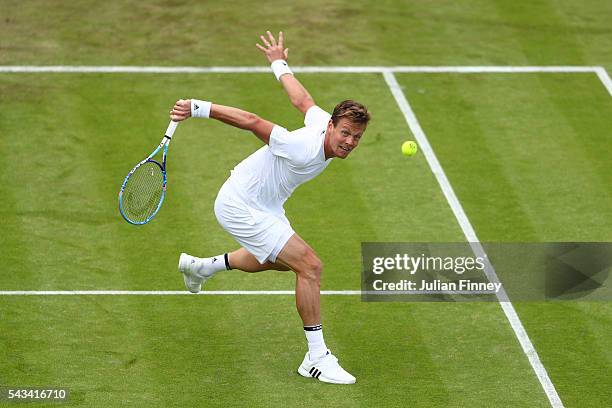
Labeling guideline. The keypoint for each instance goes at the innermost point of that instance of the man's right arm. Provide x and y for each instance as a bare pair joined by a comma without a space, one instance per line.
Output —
227,114
243,120
298,95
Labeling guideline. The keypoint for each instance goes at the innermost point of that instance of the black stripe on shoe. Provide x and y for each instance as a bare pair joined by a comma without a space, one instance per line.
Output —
315,372
310,372
318,374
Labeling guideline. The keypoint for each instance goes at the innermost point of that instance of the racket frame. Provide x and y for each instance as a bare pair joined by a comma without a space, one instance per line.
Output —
163,145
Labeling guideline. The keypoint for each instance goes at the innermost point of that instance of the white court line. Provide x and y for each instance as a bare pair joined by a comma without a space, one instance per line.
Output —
229,292
471,237
603,76
601,72
297,69
163,292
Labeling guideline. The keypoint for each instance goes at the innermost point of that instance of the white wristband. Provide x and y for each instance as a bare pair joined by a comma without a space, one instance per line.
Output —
200,109
280,68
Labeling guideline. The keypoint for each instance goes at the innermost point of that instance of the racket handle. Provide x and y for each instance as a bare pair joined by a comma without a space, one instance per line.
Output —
171,128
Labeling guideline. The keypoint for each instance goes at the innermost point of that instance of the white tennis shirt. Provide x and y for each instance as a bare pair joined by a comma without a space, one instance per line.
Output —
266,179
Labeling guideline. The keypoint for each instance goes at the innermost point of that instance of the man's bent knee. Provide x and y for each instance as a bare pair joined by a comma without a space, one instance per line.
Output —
302,259
311,268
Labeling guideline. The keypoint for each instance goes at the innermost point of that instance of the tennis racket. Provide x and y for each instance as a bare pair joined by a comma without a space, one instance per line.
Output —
144,188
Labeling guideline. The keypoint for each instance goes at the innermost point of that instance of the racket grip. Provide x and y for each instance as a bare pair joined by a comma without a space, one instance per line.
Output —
171,128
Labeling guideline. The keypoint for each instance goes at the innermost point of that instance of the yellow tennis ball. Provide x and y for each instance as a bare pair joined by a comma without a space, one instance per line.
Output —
409,148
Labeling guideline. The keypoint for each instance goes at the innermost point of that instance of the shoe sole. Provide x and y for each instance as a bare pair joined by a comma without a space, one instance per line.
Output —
182,267
304,373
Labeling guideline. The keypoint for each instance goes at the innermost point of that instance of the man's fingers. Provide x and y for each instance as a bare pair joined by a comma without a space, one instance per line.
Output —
181,102
281,39
286,53
180,111
174,114
260,47
272,40
182,107
263,39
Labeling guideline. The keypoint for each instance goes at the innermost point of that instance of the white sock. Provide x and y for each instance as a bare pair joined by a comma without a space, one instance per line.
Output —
316,344
219,263
209,266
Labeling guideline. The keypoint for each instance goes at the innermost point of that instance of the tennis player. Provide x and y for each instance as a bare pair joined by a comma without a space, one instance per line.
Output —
249,205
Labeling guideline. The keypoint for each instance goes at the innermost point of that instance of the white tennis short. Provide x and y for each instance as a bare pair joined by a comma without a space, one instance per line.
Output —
263,234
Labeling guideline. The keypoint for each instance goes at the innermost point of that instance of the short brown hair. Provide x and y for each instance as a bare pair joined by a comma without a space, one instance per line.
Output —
351,110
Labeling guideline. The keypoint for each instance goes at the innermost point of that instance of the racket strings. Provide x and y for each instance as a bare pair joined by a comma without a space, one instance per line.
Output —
143,192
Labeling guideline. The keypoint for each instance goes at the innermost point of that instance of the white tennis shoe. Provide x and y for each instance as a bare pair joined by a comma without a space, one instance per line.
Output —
194,272
325,369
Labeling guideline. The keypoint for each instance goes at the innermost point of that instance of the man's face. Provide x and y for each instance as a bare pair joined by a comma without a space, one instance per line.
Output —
344,137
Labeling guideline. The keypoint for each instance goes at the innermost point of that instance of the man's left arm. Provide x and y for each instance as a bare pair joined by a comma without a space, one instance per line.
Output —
277,55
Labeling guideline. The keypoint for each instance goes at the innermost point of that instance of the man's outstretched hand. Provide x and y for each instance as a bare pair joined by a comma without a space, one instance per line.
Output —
273,50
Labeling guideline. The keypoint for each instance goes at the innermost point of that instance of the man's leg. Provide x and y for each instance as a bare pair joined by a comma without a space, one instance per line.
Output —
296,255
196,270
318,362
243,260
303,260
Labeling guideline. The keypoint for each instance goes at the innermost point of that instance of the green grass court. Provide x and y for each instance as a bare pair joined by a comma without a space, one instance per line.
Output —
526,154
